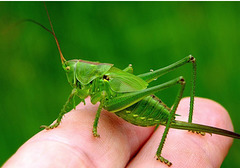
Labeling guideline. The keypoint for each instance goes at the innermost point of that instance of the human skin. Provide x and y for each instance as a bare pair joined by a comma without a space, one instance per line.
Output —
122,144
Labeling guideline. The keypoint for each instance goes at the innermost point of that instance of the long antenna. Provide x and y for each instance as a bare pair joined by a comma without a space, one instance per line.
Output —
35,22
53,33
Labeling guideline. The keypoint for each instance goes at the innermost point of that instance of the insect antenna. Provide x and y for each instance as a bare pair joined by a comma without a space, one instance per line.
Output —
53,33
35,22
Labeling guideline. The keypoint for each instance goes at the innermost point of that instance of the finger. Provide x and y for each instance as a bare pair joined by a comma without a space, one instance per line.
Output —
73,145
185,149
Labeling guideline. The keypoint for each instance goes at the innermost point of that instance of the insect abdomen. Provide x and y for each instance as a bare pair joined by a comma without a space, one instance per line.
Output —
149,111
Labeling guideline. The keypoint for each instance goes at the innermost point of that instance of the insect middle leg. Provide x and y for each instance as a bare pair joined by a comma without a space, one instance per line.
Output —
100,97
95,124
150,76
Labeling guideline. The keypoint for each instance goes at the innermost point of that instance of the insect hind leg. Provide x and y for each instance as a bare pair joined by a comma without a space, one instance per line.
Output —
168,124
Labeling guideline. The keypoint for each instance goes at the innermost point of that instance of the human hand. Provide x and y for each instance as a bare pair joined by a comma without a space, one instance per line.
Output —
122,144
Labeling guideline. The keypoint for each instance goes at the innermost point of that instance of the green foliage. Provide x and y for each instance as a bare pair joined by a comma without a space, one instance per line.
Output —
148,35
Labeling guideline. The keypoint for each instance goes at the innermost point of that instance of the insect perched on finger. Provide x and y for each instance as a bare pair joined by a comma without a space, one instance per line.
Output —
128,95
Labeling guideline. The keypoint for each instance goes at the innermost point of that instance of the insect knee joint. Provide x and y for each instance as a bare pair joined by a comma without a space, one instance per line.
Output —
192,59
181,80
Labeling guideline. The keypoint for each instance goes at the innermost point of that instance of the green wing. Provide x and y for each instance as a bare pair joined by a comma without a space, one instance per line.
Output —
88,71
121,81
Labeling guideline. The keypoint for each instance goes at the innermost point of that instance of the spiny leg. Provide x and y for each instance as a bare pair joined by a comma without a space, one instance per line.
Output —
63,110
95,124
171,117
100,97
192,93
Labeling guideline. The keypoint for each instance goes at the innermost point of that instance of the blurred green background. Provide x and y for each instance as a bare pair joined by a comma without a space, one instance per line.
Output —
148,35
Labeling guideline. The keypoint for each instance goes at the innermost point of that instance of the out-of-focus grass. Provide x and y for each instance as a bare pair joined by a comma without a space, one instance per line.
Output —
148,35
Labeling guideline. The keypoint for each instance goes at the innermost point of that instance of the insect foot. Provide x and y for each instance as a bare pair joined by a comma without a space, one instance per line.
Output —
198,132
50,126
162,159
95,134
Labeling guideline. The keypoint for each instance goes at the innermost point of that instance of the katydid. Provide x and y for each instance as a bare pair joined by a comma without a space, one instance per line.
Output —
128,95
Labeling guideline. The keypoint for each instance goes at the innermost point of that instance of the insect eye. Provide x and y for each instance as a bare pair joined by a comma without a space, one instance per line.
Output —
106,77
68,68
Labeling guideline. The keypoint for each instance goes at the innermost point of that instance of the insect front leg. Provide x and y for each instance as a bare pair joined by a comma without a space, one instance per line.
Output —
64,110
169,121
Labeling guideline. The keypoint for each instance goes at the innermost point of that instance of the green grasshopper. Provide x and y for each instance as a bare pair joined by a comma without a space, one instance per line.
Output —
128,96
